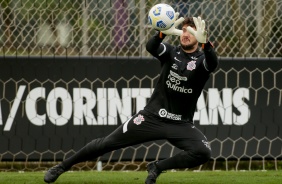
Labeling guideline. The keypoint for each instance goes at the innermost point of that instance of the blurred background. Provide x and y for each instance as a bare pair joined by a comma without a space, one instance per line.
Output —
238,28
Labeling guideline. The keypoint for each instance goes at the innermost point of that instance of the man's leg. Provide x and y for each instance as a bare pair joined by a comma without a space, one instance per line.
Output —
140,128
196,150
188,138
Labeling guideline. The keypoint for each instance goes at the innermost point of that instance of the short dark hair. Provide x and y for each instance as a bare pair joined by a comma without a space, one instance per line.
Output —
189,21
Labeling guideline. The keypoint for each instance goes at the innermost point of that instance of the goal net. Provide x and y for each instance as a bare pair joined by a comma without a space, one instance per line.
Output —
239,28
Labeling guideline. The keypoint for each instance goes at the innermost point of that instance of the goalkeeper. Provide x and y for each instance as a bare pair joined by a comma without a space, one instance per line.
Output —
170,110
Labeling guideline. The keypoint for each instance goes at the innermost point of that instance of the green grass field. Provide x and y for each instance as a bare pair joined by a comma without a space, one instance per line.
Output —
118,177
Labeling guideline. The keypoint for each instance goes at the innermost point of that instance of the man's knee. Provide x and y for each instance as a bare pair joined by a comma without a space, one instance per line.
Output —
203,153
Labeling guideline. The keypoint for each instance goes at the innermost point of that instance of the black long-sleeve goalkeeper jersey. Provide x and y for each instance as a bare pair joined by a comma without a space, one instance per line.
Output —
182,79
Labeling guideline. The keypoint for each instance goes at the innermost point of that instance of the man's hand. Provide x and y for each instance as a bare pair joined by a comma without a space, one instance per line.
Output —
173,30
200,33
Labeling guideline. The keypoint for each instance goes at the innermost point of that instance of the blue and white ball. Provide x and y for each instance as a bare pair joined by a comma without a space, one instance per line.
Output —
161,17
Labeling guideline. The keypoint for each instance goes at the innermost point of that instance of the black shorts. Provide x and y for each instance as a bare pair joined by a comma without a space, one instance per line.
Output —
145,126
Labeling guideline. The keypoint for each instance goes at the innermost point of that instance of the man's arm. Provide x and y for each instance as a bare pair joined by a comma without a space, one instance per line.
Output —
211,60
154,45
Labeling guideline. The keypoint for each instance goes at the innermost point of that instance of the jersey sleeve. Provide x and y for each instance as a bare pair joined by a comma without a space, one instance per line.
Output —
156,47
211,60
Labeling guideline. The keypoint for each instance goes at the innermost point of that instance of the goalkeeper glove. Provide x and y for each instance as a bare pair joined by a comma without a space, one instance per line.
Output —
200,33
173,30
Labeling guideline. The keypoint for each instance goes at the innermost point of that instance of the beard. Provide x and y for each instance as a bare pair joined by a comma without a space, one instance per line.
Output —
188,47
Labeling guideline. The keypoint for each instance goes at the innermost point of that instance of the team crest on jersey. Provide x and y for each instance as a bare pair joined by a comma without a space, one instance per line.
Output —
138,120
191,65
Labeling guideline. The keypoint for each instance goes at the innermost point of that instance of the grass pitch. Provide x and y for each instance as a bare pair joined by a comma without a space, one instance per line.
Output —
131,177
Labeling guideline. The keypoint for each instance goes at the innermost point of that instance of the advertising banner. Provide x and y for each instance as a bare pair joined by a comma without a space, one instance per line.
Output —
55,105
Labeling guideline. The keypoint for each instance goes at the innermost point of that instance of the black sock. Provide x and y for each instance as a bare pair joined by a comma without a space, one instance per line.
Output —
90,151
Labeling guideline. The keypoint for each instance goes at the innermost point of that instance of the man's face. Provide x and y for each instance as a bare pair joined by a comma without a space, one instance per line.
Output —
187,40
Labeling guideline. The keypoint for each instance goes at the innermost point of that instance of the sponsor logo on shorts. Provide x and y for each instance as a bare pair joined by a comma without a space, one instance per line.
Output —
206,143
138,120
164,114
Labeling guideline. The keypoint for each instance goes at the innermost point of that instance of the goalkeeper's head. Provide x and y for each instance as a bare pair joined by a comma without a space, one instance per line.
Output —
188,22
188,42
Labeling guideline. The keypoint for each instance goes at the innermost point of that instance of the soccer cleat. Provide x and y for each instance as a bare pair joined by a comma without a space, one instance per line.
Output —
53,173
153,173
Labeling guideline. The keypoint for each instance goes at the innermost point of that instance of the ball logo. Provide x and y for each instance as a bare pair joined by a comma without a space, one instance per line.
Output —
170,14
161,24
157,11
162,113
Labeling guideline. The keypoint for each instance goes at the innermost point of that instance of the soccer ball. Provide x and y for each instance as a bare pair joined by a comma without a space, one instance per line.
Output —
161,17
